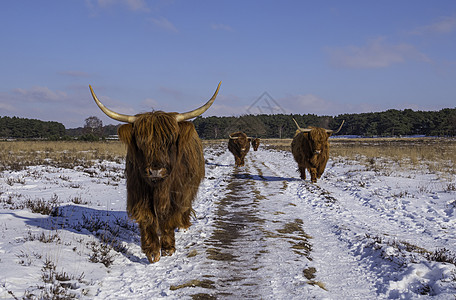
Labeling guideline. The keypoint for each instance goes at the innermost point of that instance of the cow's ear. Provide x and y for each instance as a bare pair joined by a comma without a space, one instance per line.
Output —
329,134
125,132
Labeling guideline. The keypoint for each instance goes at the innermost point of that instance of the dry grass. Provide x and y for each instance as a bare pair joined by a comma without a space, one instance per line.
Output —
214,142
17,155
438,154
415,149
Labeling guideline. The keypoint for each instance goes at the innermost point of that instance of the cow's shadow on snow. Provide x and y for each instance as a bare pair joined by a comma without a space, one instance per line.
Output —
108,228
217,165
264,178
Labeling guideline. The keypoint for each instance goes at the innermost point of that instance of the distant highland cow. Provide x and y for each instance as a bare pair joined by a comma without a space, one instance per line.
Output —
164,167
255,143
310,148
239,146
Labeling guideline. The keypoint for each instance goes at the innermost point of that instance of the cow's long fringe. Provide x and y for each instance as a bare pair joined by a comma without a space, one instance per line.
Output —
235,145
303,146
168,202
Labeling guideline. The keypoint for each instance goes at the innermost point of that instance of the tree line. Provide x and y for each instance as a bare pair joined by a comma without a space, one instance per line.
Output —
375,124
14,127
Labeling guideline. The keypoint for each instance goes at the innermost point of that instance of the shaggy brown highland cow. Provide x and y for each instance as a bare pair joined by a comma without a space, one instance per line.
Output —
255,143
164,167
310,148
239,145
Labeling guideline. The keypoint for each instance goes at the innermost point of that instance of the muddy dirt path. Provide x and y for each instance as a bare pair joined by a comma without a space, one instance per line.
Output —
253,239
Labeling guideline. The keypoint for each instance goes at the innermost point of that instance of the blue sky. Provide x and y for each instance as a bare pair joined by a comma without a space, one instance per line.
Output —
320,57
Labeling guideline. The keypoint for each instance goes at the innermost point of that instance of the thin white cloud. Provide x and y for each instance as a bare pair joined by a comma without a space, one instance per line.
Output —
308,104
150,104
6,106
169,91
76,74
376,53
137,5
164,24
39,94
223,110
445,25
133,5
227,105
221,27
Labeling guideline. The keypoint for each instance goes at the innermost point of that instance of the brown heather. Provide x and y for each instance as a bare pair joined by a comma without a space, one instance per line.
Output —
17,155
439,154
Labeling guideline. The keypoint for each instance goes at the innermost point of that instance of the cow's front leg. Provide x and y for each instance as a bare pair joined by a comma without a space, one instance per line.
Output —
313,175
150,242
168,241
302,171
185,219
242,160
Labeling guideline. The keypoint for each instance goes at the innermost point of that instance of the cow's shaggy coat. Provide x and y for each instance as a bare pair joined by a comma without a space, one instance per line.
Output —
239,146
255,143
156,140
311,151
164,167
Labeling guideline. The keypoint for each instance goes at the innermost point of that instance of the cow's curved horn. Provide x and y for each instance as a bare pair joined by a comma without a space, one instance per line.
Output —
334,132
110,113
233,137
196,112
297,125
301,129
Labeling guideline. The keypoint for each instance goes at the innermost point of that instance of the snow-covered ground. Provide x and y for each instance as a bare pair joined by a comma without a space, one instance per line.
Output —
362,232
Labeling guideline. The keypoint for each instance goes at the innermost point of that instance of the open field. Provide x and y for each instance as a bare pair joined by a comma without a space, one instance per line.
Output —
436,149
18,155
435,152
380,224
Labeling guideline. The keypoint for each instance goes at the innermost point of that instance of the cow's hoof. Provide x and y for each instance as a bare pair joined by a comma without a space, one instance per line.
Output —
153,258
168,252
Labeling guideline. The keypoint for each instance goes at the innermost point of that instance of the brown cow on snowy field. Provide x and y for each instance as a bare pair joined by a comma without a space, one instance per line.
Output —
164,167
239,145
255,143
310,148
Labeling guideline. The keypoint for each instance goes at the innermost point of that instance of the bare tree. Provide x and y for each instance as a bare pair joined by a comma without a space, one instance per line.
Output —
93,125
